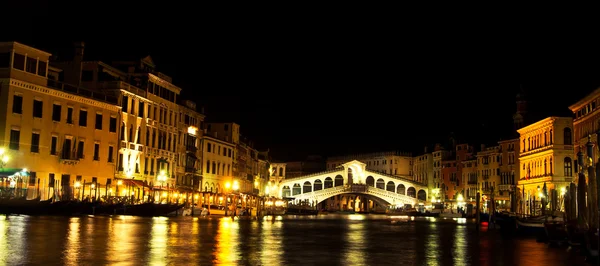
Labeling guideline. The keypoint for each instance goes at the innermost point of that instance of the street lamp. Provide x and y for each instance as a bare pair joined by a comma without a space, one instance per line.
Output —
162,178
78,186
236,186
4,157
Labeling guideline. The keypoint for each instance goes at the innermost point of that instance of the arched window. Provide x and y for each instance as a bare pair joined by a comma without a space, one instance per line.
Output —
568,138
568,167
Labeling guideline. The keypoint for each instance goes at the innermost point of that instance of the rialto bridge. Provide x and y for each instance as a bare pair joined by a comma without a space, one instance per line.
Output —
353,178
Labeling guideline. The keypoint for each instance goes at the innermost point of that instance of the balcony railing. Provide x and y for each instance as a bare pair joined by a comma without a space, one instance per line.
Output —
191,148
190,170
96,95
120,85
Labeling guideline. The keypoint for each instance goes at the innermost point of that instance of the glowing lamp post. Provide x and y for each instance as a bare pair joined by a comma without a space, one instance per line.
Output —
162,178
78,187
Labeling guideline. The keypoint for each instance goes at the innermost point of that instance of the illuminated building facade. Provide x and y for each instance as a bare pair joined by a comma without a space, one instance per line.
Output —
469,179
217,160
391,163
451,172
546,155
158,132
438,182
278,171
249,167
488,168
423,169
65,136
509,171
585,123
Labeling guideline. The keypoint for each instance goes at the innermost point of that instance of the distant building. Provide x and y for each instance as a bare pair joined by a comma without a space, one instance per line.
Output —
250,167
278,171
312,164
392,163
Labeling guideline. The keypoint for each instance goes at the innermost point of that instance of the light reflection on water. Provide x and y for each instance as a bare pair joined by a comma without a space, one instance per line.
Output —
329,239
356,244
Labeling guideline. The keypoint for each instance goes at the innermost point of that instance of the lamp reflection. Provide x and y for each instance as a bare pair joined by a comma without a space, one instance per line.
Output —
432,247
13,238
355,250
227,251
158,242
72,245
272,252
460,246
121,247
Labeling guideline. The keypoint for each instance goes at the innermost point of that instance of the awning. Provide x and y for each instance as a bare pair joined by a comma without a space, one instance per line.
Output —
137,183
9,171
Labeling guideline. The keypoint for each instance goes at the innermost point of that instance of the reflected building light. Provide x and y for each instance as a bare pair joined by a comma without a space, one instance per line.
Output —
356,217
14,237
121,244
460,246
4,223
227,247
355,252
73,244
432,246
158,242
272,239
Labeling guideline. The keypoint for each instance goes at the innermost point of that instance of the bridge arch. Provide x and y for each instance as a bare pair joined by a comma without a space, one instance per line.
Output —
411,192
401,189
370,181
286,192
328,182
318,185
307,187
380,184
422,195
339,180
296,189
390,186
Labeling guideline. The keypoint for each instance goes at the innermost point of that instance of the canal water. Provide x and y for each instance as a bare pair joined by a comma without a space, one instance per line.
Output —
306,240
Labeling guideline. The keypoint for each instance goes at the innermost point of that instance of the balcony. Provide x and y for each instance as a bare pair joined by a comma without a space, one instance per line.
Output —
82,92
505,187
190,169
191,148
69,157
120,85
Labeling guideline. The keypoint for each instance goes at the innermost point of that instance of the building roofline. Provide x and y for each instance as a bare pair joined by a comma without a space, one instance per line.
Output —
25,46
583,101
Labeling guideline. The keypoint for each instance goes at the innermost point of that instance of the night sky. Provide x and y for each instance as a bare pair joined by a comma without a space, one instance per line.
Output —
308,88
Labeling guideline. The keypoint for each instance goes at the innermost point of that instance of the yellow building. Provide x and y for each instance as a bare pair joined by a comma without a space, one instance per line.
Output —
159,133
488,169
217,161
586,121
65,136
439,154
423,169
469,179
509,171
546,155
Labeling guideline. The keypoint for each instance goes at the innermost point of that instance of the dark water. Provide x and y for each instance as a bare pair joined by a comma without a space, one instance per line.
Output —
321,240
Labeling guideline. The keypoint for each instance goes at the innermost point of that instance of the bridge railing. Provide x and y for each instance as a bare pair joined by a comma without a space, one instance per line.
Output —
322,192
397,177
328,192
400,197
312,175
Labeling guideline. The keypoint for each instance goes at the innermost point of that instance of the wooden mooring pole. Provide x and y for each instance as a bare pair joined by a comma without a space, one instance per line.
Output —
477,210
